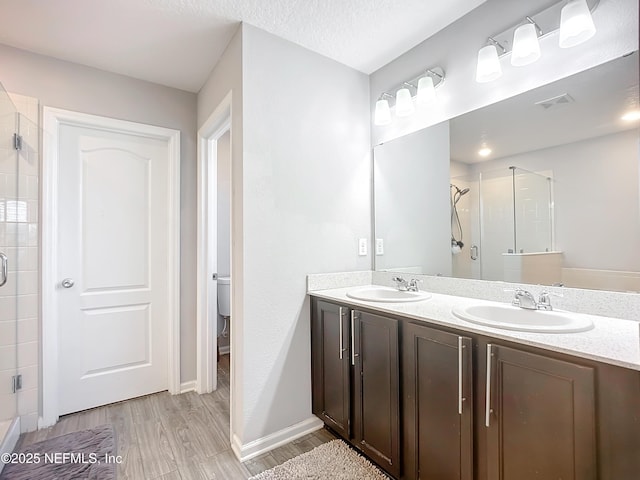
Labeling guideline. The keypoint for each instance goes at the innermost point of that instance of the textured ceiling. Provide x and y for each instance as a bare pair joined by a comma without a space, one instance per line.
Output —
177,42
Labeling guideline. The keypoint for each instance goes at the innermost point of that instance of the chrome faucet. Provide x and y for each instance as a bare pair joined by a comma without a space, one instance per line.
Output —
403,285
525,299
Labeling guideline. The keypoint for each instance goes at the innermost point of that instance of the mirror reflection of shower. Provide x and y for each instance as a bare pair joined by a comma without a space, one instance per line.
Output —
456,225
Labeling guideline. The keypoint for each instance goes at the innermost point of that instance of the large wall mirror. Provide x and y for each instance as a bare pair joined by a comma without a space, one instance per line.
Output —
540,188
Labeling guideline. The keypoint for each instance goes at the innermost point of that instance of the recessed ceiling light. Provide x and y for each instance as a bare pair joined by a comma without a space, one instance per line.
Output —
484,151
631,116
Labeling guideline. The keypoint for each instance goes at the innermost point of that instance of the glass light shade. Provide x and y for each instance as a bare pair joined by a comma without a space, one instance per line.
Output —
404,103
526,47
488,68
576,24
426,90
383,114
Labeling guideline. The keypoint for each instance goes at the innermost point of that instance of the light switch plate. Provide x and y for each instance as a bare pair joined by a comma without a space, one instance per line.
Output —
362,246
379,246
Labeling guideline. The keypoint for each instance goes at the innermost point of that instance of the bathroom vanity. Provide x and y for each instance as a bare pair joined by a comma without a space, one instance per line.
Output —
425,394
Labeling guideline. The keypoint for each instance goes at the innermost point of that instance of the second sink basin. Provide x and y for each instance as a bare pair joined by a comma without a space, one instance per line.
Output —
515,318
385,294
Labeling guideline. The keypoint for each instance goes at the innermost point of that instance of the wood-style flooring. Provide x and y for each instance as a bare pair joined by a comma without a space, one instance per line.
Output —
177,437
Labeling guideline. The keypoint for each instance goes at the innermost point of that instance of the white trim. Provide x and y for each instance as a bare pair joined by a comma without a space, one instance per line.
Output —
275,440
10,439
189,386
216,125
53,118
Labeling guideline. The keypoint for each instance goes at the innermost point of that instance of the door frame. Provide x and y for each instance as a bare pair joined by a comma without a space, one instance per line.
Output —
53,119
218,123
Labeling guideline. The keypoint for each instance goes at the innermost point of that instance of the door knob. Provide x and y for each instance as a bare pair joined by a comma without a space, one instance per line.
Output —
68,283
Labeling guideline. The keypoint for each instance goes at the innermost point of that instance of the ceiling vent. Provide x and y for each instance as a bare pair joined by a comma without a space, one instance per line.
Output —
556,101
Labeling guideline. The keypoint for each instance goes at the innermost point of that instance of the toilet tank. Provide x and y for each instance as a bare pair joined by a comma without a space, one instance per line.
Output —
224,296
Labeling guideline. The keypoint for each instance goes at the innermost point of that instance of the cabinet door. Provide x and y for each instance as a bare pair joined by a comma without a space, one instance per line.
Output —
437,404
539,417
331,366
376,395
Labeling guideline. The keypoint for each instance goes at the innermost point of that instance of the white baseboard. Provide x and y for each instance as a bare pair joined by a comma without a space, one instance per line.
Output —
188,386
10,439
268,443
225,349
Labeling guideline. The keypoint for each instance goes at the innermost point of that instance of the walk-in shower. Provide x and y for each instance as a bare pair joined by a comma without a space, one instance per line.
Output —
510,217
9,238
18,268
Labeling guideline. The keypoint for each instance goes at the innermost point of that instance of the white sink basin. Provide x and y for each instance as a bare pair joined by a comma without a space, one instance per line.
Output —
515,318
386,294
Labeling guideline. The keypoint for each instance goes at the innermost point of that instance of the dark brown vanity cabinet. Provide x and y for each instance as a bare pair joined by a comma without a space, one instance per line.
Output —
437,404
539,420
376,389
355,371
331,366
429,402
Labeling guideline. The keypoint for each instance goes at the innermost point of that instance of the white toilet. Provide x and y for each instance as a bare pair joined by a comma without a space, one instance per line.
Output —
224,302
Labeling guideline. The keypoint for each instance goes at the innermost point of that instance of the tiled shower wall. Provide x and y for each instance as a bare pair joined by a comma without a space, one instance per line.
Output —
25,270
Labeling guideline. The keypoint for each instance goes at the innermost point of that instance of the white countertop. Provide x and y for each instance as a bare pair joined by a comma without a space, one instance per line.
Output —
613,341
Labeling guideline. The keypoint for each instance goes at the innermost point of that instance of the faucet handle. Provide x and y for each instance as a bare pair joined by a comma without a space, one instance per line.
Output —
550,294
544,300
401,283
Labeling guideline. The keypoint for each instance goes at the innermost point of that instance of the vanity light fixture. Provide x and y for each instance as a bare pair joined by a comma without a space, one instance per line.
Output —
526,47
631,116
489,68
418,91
571,17
404,101
383,112
576,24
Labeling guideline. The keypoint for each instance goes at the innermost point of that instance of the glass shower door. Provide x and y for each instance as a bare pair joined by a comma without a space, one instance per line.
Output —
8,261
532,207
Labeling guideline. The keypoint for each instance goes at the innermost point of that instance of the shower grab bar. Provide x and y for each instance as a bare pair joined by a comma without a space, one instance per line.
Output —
4,269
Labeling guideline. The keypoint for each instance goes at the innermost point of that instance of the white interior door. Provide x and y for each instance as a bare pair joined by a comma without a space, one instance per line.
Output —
113,258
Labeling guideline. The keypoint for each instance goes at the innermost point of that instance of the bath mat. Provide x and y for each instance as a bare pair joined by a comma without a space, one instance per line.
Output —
334,460
84,455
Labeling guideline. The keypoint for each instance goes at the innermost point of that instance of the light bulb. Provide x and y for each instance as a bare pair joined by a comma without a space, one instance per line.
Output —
484,151
631,116
404,103
383,114
426,90
488,64
526,47
576,24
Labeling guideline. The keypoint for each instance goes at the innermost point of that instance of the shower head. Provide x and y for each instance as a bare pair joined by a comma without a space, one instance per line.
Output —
458,191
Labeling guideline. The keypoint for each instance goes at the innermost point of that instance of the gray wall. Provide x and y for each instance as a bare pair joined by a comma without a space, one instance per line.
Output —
83,89
307,168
